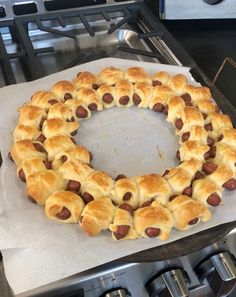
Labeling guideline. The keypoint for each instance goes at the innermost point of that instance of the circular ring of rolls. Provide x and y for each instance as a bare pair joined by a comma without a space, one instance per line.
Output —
59,176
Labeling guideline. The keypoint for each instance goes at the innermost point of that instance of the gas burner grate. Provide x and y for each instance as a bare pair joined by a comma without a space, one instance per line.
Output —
27,53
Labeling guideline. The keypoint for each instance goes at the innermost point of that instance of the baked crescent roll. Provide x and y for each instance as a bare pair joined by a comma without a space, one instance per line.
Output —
79,108
178,83
86,79
98,184
30,166
153,221
122,226
97,216
206,106
42,184
23,132
198,93
64,90
124,93
197,133
192,149
43,100
137,74
56,144
221,175
228,136
160,97
192,166
126,191
142,94
190,116
76,172
107,95
61,111
153,187
111,75
90,99
175,108
206,192
77,152
218,122
24,149
160,78
64,206
188,212
178,179
31,116
54,127
225,154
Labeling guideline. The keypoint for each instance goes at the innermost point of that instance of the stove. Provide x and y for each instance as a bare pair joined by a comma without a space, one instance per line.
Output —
38,38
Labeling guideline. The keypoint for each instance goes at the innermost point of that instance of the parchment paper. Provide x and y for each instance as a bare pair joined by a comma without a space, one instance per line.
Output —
38,251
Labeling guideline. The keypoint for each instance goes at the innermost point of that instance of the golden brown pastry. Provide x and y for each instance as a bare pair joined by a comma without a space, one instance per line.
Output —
97,216
126,191
61,111
197,133
217,122
56,144
24,149
98,184
43,100
160,78
137,74
64,90
124,93
32,116
189,116
175,108
30,166
42,184
111,75
192,149
142,94
79,108
188,212
122,226
206,192
153,221
86,79
107,95
206,106
220,175
192,166
228,136
160,97
153,187
64,206
198,93
54,127
90,99
179,180
225,154
77,152
76,172
23,132
178,83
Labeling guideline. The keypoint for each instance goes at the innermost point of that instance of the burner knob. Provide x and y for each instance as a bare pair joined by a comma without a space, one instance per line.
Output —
171,283
212,2
117,293
219,271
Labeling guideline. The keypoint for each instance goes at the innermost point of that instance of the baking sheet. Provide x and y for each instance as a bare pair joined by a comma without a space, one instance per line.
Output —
38,251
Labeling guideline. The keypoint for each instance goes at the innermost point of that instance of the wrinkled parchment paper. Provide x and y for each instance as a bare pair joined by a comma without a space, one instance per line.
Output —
38,251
